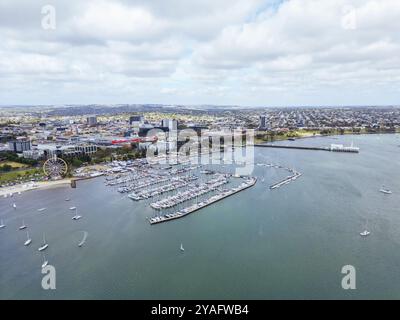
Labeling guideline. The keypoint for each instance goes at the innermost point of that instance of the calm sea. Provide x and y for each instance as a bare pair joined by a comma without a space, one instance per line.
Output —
260,244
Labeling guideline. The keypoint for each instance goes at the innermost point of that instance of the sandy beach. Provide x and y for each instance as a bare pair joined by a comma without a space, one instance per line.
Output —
29,186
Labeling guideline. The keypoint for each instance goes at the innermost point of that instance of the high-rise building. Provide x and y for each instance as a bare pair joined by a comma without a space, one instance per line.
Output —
263,122
91,121
171,124
19,146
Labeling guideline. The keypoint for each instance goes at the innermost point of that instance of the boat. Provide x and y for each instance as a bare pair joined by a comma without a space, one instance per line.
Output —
182,249
2,225
365,233
67,199
41,209
45,245
28,240
80,244
45,262
14,206
385,191
76,216
23,226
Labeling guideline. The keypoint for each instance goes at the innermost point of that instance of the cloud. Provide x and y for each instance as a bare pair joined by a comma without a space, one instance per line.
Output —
249,52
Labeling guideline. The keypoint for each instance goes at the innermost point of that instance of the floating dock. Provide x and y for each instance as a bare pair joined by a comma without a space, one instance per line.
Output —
182,213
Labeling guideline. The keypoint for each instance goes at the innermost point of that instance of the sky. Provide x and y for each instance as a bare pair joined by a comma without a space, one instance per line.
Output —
194,52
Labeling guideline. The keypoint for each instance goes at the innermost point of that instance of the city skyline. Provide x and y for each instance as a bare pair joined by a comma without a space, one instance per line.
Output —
243,53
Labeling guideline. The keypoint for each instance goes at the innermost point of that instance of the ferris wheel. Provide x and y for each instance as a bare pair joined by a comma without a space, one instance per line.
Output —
55,167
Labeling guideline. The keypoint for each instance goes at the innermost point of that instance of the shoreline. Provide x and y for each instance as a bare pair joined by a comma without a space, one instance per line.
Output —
30,186
328,136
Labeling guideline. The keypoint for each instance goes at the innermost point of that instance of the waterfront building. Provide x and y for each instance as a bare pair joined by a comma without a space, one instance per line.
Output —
20,145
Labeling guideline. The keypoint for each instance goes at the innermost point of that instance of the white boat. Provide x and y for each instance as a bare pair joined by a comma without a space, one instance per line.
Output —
80,244
365,233
23,226
28,240
68,199
14,206
76,216
45,262
2,225
45,245
182,249
385,191
41,209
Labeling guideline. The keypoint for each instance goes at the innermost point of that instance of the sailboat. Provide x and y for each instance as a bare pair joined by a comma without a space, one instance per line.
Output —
23,226
2,225
45,245
28,239
41,209
80,244
45,262
182,249
365,233
76,216
385,191
14,206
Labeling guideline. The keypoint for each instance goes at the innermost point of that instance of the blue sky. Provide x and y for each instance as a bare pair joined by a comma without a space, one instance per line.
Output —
230,52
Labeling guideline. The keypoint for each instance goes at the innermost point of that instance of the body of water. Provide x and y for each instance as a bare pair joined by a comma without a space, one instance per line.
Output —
288,243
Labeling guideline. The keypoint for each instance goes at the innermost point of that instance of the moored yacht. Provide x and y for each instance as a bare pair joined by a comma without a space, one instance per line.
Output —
45,262
365,233
385,190
2,225
23,226
45,245
28,240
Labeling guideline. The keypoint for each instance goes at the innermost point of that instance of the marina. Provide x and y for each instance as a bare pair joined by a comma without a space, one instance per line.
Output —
220,196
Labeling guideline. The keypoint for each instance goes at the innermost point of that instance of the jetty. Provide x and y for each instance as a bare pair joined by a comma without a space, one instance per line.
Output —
332,148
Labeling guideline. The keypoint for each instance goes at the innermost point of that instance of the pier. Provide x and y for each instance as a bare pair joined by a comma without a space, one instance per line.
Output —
182,213
332,148
286,181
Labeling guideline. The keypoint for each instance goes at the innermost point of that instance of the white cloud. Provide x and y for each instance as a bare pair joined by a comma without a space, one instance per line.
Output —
250,52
